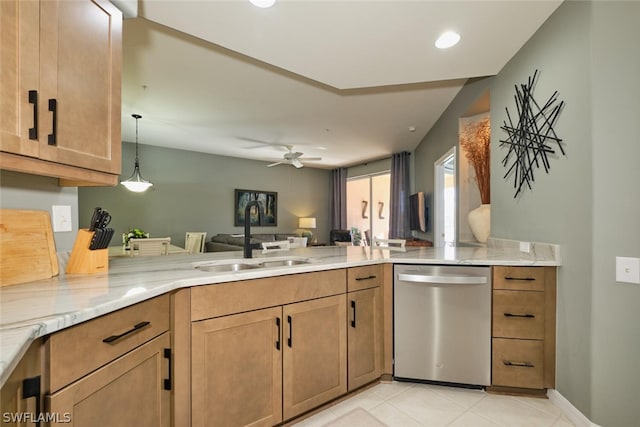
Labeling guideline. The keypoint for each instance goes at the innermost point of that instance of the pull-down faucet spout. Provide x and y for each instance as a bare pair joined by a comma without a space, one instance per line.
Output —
247,224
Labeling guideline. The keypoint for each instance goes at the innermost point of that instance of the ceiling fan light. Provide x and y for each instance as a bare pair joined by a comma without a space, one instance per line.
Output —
447,40
263,3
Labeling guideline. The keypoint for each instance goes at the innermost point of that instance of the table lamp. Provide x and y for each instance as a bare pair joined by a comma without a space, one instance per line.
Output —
306,224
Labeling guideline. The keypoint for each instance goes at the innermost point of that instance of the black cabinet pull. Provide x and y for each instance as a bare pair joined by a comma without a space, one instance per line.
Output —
278,340
528,316
365,278
290,339
137,327
33,99
53,107
353,306
518,364
167,381
31,388
520,278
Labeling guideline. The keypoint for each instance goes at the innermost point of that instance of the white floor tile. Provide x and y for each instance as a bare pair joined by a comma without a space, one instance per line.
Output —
470,419
463,397
507,411
540,404
365,400
393,417
427,407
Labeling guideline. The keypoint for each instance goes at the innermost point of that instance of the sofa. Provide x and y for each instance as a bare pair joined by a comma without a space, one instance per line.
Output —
235,242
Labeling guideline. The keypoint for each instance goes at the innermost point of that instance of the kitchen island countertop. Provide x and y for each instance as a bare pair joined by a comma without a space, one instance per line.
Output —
35,309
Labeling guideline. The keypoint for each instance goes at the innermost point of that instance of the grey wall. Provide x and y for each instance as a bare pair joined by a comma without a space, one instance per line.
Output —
23,191
589,202
195,192
442,136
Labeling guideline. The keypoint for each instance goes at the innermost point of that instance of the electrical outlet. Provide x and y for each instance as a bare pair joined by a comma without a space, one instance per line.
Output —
525,247
61,217
628,270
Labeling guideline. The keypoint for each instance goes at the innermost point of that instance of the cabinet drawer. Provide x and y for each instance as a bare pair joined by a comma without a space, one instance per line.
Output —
519,278
76,351
518,363
518,314
236,297
367,276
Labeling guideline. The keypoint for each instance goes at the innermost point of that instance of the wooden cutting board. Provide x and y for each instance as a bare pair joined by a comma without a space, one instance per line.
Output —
27,249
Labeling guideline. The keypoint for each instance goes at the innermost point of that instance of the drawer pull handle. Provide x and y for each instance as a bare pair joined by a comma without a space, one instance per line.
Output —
53,107
33,99
366,278
137,327
290,339
519,364
31,388
520,278
278,340
528,316
353,306
167,381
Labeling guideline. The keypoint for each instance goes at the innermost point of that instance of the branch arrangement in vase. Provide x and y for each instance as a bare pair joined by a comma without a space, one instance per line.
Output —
475,140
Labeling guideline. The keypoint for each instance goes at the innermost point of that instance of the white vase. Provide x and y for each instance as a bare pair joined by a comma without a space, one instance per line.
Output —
480,222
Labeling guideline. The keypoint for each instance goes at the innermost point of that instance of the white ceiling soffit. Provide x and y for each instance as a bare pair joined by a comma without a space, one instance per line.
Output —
354,44
310,84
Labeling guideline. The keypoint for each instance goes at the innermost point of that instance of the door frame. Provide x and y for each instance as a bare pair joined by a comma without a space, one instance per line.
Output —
438,195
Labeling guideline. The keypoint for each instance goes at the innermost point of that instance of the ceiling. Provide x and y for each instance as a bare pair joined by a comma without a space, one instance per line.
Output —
348,81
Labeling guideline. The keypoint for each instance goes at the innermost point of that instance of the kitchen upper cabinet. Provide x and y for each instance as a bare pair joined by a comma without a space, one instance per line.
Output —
22,392
60,90
237,369
315,354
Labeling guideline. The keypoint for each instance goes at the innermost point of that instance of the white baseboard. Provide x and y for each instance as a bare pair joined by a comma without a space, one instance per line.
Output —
570,411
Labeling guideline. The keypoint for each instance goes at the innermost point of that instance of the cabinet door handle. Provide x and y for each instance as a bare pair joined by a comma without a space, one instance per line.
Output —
53,107
31,388
167,381
365,278
290,339
520,278
33,99
518,364
528,316
353,306
137,327
278,339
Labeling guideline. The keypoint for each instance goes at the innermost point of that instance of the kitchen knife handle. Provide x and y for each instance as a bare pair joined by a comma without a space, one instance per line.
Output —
33,99
137,327
53,107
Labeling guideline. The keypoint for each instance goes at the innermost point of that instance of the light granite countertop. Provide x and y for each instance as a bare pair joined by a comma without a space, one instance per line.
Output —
35,309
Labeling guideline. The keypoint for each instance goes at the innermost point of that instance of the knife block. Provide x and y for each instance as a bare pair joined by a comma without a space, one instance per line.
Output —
83,260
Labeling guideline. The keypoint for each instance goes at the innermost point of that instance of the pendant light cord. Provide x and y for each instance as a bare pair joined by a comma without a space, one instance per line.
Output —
136,116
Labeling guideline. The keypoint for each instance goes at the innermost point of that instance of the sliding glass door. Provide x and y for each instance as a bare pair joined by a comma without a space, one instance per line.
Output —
368,205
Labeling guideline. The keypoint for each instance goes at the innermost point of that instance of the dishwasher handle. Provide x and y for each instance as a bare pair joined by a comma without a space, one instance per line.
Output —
448,280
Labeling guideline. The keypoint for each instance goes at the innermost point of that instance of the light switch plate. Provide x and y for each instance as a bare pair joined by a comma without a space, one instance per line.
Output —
628,270
61,218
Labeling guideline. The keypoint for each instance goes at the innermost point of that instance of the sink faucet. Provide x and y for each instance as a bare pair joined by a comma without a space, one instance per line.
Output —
247,225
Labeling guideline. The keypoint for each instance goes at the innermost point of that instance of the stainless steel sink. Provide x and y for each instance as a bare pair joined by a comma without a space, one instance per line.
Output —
249,264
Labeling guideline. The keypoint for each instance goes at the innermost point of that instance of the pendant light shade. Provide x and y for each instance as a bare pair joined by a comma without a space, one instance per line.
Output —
136,182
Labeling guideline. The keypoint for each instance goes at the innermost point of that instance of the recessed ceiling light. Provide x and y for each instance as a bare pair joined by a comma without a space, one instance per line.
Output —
447,39
263,3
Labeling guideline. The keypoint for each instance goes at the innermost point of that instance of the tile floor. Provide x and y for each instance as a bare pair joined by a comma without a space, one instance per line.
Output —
407,405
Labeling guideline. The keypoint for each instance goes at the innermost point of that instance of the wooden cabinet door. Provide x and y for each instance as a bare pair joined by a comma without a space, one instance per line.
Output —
127,392
315,359
364,337
236,369
81,49
20,71
13,405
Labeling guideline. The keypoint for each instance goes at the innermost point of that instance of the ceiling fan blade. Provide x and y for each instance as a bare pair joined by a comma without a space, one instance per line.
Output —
295,155
310,158
274,164
296,163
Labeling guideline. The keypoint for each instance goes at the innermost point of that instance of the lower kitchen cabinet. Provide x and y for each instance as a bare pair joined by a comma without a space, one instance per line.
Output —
315,354
21,393
364,336
236,365
129,391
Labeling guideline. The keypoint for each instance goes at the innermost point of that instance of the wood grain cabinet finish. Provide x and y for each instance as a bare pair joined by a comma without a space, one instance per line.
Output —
22,391
129,391
60,91
364,336
524,322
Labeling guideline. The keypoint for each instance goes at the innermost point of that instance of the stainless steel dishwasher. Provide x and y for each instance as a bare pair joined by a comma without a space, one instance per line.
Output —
442,324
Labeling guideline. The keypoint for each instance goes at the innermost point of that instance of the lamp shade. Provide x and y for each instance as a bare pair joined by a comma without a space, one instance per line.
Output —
307,223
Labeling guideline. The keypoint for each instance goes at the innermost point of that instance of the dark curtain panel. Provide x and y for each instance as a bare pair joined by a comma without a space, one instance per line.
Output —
399,212
338,199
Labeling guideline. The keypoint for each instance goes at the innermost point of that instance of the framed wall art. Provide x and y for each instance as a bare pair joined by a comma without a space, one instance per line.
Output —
269,201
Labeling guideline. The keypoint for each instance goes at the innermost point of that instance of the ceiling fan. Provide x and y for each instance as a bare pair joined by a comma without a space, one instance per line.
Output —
293,158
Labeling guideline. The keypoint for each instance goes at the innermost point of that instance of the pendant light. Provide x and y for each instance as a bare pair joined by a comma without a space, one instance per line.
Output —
136,182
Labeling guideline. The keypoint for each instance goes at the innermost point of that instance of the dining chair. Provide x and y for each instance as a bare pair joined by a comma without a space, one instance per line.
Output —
149,247
280,245
194,241
388,243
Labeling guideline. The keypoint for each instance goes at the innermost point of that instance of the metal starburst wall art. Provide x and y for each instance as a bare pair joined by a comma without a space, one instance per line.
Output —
530,136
